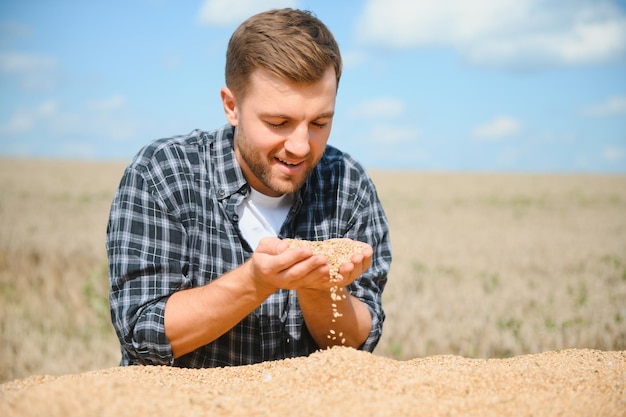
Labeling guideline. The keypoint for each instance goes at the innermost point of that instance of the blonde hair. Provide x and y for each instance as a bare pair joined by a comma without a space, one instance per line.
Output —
292,44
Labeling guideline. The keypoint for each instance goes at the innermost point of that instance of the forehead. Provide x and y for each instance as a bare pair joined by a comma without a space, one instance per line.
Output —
264,82
269,95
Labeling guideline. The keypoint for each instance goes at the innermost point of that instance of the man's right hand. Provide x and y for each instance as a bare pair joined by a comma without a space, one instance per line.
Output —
274,265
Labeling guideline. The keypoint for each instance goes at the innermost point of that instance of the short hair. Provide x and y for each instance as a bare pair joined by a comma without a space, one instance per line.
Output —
294,45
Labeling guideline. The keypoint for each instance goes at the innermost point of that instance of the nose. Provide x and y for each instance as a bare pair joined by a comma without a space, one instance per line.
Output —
297,143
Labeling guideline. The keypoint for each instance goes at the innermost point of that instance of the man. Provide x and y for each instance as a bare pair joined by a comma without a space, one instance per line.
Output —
199,273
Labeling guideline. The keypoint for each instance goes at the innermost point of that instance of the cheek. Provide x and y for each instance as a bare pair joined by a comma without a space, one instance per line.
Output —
318,141
262,139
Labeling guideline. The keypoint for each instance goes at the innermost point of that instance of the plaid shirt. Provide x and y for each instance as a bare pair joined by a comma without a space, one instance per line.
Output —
173,225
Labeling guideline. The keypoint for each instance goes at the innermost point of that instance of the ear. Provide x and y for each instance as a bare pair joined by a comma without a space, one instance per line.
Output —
230,106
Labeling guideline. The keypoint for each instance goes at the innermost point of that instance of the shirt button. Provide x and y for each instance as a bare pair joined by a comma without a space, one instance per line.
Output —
221,192
235,218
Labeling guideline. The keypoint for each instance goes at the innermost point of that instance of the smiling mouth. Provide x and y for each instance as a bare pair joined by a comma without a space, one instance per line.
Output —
289,164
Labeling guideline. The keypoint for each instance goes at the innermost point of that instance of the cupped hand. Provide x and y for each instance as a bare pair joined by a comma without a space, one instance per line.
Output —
359,263
273,264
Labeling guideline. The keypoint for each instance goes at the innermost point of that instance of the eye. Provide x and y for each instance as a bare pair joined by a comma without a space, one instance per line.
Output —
319,125
275,125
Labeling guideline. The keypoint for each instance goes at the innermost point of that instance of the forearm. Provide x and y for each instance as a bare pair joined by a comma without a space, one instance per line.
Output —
198,316
349,318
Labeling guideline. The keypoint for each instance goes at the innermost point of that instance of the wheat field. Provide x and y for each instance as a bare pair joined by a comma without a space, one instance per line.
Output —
485,265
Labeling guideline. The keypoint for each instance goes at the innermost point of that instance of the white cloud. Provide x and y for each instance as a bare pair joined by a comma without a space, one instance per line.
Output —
48,108
22,120
32,71
16,63
501,33
392,134
383,107
172,60
614,154
78,149
110,116
108,104
615,106
353,59
107,117
15,29
227,12
19,122
498,128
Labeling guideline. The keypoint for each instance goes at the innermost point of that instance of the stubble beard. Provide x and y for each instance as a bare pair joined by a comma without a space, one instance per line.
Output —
262,168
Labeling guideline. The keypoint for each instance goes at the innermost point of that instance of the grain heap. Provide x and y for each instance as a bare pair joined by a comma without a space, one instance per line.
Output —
337,252
338,382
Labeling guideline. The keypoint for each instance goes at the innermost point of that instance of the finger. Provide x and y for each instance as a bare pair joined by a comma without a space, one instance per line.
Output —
318,275
345,271
281,246
269,245
307,265
309,273
357,258
367,250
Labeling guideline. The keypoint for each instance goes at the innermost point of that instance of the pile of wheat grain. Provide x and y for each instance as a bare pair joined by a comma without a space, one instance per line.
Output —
339,382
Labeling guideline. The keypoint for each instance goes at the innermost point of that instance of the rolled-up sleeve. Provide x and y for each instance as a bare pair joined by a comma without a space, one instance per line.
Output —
340,200
370,226
145,245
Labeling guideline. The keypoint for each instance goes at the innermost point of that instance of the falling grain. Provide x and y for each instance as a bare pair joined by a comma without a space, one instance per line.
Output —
337,252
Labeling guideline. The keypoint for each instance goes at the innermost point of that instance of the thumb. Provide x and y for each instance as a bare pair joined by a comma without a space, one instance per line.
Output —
281,246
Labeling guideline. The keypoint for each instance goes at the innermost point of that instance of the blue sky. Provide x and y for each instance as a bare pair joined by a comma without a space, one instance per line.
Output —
482,85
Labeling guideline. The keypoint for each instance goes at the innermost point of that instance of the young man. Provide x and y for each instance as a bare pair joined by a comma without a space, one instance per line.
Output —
199,273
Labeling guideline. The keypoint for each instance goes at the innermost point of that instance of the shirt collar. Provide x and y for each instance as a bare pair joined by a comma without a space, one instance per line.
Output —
229,178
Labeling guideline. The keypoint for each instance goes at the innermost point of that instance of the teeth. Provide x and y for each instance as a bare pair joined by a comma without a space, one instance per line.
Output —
287,163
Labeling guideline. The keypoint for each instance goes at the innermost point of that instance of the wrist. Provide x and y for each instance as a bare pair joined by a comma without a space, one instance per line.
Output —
262,288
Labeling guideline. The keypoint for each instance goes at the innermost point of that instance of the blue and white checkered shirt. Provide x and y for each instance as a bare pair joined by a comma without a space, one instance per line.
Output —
174,225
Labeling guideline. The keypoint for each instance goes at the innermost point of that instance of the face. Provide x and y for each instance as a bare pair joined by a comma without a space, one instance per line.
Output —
281,129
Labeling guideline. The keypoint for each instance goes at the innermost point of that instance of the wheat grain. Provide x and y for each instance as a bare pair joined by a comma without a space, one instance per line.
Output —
337,252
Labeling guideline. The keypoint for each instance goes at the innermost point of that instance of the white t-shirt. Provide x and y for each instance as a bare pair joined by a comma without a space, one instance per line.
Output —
262,216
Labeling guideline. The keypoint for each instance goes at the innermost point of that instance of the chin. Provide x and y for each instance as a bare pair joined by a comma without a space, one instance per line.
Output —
286,186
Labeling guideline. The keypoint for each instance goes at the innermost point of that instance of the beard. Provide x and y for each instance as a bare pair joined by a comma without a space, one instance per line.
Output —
265,167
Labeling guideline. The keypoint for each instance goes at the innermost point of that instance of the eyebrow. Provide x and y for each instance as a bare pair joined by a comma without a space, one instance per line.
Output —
328,114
